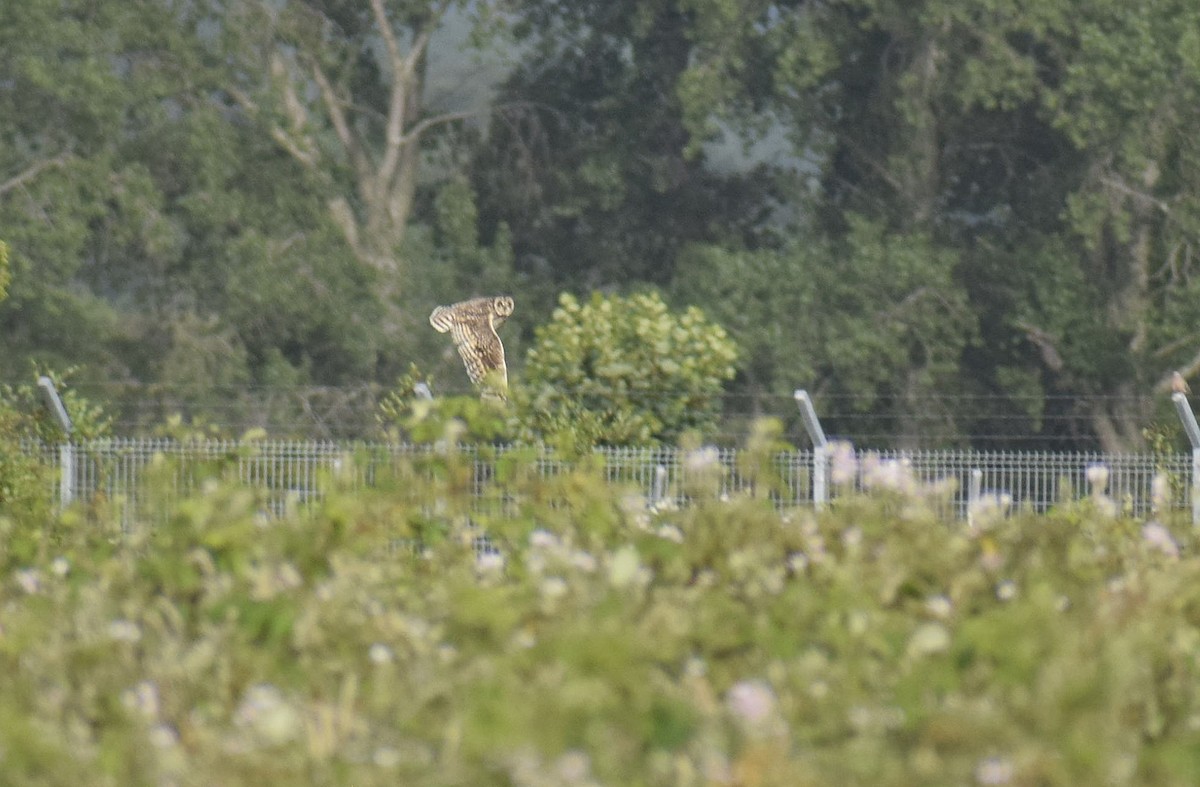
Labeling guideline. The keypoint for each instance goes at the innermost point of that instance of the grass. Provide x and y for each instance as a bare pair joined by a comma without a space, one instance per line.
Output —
727,643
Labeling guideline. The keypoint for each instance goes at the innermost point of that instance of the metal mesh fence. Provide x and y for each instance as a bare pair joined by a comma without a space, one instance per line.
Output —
140,472
1039,480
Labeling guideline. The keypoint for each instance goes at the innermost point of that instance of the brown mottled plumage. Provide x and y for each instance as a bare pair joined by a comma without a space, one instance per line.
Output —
473,324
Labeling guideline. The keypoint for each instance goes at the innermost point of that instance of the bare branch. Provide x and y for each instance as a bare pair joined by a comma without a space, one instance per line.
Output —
306,157
32,171
243,100
418,129
421,40
1120,185
403,74
1044,342
341,126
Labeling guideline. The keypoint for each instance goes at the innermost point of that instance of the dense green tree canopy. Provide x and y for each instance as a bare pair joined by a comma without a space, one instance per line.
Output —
948,217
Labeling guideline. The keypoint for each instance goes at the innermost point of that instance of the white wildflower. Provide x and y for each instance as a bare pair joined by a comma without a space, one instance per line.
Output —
928,639
573,767
124,631
163,736
636,509
664,505
1097,478
1157,536
797,562
1105,506
1006,590
61,566
858,622
988,509
702,460
670,533
380,653
28,579
554,588
264,711
843,463
584,561
994,771
752,702
939,606
142,699
624,566
387,757
489,562
543,539
895,475
524,638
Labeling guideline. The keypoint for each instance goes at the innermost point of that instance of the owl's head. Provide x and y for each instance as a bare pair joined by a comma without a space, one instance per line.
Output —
502,305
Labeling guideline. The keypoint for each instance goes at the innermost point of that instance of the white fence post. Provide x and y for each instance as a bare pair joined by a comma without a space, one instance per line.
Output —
820,471
1193,432
66,451
974,493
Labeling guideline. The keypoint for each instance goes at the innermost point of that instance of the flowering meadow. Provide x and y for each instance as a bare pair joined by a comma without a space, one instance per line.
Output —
596,638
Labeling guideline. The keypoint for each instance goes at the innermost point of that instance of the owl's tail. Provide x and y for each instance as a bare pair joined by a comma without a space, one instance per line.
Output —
440,319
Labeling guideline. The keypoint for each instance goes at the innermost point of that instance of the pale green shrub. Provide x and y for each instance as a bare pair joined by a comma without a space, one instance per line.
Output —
366,641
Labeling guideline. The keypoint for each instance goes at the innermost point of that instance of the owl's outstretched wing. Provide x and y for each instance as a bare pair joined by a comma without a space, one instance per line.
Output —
482,352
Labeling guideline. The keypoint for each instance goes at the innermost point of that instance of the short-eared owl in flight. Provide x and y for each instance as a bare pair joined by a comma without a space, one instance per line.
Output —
473,326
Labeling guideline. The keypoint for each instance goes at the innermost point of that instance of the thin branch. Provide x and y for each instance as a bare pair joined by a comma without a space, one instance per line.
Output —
243,100
436,120
1122,187
305,157
1044,342
341,125
33,171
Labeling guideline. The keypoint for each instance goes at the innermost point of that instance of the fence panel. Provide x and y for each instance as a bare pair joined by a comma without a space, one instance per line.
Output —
140,474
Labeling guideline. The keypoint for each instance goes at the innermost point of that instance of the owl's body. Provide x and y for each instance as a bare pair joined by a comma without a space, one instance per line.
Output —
472,324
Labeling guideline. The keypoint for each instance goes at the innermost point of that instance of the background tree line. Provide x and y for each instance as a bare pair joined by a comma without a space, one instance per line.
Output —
944,218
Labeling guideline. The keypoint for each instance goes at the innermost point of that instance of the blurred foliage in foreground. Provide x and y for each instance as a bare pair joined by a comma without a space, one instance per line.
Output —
367,639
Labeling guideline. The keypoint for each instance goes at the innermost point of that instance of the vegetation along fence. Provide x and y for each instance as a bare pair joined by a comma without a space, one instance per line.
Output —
136,472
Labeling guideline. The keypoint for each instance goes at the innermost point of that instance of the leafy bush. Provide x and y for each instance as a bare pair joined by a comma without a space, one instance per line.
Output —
88,419
26,474
600,640
622,370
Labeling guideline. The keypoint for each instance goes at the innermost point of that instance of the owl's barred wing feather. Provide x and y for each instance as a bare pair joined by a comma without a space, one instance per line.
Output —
481,351
472,324
442,318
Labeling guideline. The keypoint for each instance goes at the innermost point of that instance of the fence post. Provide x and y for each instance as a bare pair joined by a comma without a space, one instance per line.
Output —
659,490
820,484
974,493
66,451
1193,432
